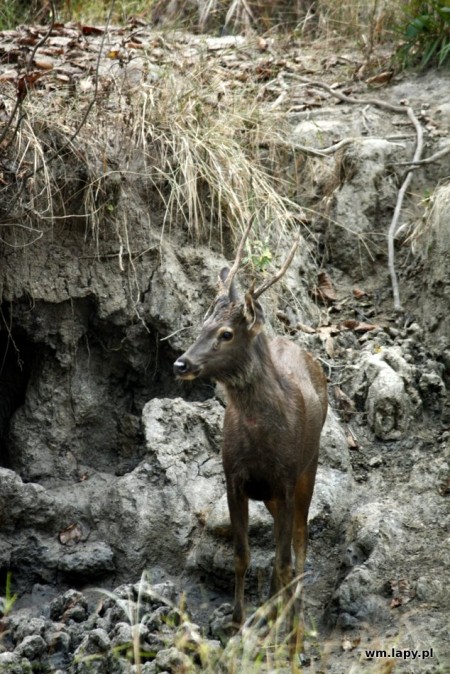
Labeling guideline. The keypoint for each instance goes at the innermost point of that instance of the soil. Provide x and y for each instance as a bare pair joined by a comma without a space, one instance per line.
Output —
110,467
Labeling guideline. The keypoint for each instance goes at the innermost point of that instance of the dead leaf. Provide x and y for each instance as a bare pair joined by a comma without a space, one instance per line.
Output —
284,318
92,30
344,404
359,294
326,334
306,328
349,644
324,290
43,63
381,78
25,83
444,487
402,591
352,442
365,327
357,326
134,45
71,535
263,44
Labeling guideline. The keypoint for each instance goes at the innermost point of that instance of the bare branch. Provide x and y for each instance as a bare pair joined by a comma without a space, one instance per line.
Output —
401,109
276,277
393,226
427,160
21,95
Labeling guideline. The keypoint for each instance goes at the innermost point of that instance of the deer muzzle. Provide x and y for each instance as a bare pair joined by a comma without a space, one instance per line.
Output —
185,369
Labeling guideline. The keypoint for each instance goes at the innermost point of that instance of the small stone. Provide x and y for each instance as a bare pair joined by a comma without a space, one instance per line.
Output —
32,647
375,461
173,661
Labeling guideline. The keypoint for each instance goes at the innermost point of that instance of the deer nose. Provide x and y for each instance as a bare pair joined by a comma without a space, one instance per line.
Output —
182,366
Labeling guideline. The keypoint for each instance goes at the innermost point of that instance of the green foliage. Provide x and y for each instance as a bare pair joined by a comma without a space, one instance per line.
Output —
7,602
260,256
426,34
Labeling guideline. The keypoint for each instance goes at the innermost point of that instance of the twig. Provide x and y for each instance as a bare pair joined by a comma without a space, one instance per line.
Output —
92,102
20,96
172,334
32,173
428,160
393,226
44,38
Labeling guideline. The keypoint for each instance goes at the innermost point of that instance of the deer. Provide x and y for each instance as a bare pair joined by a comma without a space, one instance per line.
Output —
276,407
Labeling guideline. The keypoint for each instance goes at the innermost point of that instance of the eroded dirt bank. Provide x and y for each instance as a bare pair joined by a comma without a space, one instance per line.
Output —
109,256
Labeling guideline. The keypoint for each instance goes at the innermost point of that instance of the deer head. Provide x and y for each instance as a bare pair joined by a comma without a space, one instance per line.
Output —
231,326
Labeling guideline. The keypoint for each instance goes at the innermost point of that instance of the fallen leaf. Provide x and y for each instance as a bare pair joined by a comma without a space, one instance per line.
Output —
92,30
306,328
71,535
324,290
344,404
357,326
380,78
359,294
326,334
43,63
402,592
444,487
365,327
352,442
262,44
349,644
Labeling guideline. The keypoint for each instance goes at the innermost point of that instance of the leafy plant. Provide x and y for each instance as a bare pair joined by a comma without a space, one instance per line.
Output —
7,602
426,33
259,255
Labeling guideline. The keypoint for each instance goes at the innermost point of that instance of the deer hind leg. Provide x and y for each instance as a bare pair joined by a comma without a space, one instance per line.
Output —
238,507
282,512
303,495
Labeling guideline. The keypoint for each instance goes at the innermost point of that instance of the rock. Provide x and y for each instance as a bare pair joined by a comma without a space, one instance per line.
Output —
87,560
433,245
384,384
32,647
95,643
72,605
374,532
366,195
173,661
334,450
13,663
221,623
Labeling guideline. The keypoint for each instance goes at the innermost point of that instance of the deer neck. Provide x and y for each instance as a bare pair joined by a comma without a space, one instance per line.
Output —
251,388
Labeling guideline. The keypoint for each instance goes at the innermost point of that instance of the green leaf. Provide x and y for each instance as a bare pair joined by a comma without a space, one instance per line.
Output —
429,52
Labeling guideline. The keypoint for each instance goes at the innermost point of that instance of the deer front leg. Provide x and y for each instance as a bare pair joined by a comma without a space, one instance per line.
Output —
238,507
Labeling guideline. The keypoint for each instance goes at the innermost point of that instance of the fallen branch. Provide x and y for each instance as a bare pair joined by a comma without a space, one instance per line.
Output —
393,226
428,160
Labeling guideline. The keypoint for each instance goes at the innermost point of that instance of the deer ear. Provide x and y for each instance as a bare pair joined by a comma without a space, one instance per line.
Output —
222,285
253,313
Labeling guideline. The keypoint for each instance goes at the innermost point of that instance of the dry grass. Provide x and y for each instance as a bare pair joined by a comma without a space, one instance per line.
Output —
193,145
431,232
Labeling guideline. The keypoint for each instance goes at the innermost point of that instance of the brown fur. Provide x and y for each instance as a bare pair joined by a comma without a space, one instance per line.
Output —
277,404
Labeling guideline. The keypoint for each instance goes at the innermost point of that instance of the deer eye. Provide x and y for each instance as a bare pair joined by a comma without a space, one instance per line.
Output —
226,336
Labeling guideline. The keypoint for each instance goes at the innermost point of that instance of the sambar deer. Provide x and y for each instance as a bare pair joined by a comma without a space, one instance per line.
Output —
277,404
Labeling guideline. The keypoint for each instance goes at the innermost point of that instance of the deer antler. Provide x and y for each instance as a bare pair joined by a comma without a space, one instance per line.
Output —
273,279
238,258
